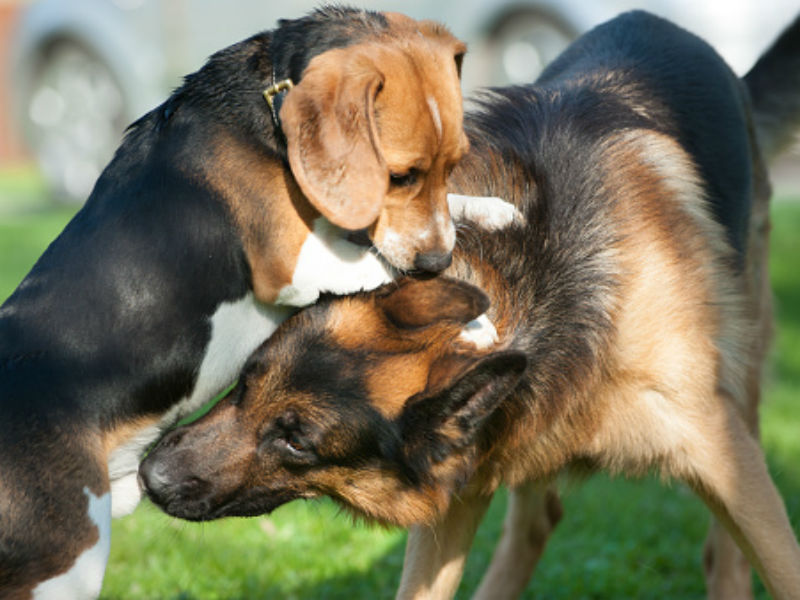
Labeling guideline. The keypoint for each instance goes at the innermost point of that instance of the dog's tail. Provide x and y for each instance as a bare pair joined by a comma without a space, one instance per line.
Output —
774,85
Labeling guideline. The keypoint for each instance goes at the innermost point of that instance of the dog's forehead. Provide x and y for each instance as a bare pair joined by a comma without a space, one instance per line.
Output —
431,31
393,362
347,350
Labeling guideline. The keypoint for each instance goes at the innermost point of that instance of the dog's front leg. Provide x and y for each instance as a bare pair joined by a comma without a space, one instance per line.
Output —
488,212
435,554
534,510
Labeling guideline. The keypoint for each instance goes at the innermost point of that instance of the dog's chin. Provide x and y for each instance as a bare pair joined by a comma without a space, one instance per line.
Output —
399,263
247,505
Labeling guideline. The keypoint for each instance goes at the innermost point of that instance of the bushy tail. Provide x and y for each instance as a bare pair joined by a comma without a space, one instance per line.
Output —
774,84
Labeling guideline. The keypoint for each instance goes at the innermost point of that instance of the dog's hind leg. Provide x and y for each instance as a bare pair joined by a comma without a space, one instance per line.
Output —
726,569
732,479
435,554
533,512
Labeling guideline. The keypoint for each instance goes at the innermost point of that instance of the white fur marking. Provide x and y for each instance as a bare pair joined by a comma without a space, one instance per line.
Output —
481,332
445,225
125,493
237,328
437,118
329,263
488,212
397,248
85,578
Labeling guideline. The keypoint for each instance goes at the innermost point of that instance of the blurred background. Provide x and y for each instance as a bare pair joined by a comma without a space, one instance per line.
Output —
75,73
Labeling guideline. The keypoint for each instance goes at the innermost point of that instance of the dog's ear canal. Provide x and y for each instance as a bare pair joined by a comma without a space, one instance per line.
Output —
458,54
433,426
416,303
332,141
459,58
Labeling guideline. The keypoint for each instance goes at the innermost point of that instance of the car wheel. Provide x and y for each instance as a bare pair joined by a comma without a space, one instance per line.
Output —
523,45
74,114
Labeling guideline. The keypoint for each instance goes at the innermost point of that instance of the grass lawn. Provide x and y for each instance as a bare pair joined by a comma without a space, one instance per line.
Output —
618,538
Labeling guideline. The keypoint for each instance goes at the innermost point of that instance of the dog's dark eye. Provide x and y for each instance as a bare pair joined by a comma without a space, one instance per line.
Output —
404,179
295,443
296,447
291,439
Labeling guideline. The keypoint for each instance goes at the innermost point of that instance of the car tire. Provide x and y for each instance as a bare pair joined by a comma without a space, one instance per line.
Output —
74,113
523,44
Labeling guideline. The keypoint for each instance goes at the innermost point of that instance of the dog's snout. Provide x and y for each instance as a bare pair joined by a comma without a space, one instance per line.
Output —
433,262
164,483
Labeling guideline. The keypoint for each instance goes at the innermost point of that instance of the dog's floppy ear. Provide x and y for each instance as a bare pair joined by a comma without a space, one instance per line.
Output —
433,425
328,119
416,303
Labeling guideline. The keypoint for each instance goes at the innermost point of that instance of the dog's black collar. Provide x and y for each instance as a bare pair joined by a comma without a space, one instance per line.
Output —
274,96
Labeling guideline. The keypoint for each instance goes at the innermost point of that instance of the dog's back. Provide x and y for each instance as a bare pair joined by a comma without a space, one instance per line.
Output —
635,72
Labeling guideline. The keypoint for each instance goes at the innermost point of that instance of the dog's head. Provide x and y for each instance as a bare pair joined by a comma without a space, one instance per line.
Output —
376,400
373,129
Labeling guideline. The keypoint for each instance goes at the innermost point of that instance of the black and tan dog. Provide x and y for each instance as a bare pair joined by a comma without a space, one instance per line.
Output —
195,241
629,319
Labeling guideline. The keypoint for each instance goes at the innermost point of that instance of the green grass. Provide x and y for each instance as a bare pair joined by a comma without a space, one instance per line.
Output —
619,538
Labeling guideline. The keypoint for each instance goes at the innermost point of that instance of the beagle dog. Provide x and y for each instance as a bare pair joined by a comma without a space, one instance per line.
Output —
622,325
224,209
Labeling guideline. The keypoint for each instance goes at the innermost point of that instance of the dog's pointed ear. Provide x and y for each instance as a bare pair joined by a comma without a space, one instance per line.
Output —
416,303
328,119
435,425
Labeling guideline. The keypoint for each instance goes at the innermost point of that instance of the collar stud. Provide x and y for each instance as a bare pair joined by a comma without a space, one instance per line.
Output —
274,96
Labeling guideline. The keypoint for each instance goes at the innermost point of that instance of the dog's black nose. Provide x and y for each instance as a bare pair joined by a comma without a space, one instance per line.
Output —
433,262
154,478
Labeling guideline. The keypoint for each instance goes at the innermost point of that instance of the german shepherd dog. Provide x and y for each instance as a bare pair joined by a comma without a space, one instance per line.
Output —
623,325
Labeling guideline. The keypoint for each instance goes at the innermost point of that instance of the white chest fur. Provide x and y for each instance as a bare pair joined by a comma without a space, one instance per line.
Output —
329,263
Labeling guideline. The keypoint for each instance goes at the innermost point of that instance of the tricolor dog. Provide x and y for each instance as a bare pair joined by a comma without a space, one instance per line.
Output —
627,322
223,208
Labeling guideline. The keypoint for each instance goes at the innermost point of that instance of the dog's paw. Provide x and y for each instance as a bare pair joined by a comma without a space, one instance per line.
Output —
488,212
480,332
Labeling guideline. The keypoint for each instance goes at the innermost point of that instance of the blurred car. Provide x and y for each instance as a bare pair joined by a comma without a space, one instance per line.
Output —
82,70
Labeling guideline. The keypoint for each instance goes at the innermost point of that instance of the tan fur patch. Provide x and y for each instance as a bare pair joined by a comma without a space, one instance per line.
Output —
117,436
679,329
272,214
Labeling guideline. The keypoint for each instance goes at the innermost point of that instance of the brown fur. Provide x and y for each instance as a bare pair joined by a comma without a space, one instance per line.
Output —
269,209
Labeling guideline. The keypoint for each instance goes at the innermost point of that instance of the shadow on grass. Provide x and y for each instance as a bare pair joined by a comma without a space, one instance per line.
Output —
619,538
